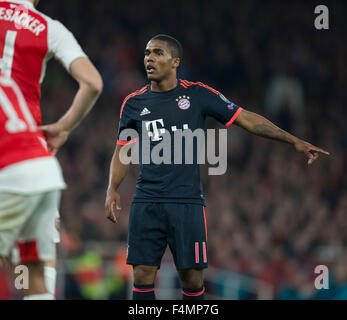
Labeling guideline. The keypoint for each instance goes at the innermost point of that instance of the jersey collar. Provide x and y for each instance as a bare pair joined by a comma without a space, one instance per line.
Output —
163,92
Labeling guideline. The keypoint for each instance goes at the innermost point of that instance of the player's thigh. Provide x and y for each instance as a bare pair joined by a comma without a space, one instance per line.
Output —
147,234
35,241
15,210
188,235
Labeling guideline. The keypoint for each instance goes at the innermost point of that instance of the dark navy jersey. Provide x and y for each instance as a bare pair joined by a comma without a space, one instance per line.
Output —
156,114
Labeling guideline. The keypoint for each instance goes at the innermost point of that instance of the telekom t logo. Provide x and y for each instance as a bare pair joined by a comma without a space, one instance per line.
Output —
155,135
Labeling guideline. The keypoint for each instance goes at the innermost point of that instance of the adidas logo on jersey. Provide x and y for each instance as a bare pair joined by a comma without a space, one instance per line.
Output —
144,112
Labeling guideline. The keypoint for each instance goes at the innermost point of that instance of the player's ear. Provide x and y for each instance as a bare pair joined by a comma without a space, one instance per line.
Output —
176,62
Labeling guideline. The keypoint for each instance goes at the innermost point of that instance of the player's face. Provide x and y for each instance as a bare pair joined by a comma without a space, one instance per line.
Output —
159,63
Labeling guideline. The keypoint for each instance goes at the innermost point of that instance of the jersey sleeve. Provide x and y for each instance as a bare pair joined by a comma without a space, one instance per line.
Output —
219,107
62,44
126,122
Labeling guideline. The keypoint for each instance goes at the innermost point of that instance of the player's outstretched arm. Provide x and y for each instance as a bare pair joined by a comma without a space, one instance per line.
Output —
260,126
90,87
118,171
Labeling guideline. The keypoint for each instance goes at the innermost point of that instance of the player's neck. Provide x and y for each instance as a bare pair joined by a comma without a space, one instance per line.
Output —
164,85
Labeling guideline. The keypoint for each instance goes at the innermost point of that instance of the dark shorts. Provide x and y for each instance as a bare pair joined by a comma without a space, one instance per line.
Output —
154,225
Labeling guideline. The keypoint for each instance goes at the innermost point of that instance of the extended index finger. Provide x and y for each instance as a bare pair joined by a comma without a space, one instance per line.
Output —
313,148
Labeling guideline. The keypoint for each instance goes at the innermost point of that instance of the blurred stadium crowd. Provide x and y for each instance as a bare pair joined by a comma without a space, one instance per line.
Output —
270,216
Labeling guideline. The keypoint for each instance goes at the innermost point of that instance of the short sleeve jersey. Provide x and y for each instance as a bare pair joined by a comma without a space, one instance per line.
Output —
155,116
28,39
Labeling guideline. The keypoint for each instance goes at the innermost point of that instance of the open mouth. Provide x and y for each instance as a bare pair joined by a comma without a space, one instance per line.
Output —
150,69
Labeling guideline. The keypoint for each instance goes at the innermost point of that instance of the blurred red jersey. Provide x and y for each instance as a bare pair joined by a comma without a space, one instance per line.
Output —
20,139
28,39
26,165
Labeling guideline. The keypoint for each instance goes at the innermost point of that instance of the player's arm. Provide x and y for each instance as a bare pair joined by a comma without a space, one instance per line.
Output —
118,168
90,87
118,171
260,126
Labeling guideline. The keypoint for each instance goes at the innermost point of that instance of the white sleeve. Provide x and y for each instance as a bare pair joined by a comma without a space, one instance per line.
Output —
62,44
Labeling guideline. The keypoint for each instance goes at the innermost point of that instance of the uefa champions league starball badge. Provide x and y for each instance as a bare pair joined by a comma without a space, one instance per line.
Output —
231,106
183,102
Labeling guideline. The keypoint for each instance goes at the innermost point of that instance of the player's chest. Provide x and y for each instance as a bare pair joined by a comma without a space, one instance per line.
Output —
169,113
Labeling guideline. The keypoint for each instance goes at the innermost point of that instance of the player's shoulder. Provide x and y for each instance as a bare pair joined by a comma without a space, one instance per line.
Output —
198,87
133,96
136,94
53,24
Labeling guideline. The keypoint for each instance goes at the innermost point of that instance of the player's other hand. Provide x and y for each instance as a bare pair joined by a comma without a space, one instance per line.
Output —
56,136
311,151
112,204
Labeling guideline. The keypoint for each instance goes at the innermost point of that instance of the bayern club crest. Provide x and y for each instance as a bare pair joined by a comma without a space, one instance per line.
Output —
183,102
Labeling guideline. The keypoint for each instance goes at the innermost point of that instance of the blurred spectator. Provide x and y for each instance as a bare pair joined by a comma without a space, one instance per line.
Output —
284,98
